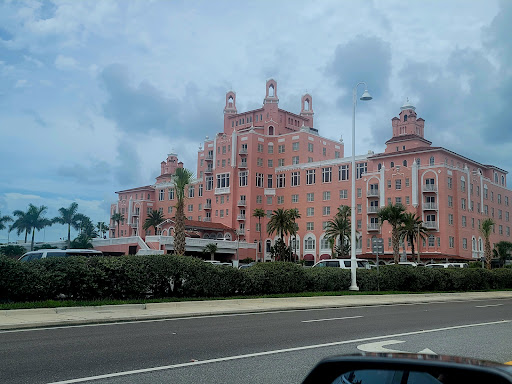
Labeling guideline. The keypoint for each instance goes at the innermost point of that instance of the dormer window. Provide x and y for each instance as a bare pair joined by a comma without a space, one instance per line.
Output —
405,117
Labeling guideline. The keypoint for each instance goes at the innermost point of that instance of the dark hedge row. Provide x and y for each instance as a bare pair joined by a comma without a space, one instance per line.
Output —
157,276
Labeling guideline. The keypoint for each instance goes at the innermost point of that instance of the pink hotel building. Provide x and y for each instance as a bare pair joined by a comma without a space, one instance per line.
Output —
270,158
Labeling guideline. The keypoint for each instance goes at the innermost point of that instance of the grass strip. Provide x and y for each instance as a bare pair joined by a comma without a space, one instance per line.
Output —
92,303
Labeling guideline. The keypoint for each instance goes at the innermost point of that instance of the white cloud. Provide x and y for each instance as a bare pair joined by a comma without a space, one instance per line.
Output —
63,63
21,83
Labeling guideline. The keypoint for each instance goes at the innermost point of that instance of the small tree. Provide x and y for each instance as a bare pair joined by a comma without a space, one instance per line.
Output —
3,220
117,218
211,248
502,250
154,219
82,241
486,230
412,229
280,251
339,228
101,226
181,179
37,220
394,215
69,217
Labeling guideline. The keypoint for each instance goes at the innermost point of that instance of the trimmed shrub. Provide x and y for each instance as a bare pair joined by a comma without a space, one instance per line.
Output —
327,279
276,277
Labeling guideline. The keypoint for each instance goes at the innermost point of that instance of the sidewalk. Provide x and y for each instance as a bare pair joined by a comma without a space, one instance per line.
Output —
49,317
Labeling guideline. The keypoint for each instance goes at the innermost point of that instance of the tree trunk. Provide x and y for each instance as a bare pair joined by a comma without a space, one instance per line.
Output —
212,256
118,229
32,242
26,234
395,240
412,247
69,235
260,245
179,230
488,253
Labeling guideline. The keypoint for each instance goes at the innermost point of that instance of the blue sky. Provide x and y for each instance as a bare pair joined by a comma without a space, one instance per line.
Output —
94,94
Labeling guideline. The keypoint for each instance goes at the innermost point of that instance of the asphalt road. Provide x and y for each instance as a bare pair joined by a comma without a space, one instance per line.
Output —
250,348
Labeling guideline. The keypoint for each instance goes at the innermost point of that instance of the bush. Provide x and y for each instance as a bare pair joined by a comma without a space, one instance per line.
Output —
13,251
328,279
277,277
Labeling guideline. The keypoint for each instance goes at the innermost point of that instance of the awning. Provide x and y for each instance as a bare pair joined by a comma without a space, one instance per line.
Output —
309,257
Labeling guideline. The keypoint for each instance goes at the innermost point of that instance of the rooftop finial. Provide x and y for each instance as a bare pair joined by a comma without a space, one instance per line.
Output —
407,105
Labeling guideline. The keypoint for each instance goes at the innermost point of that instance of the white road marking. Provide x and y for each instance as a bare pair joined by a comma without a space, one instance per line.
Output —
489,305
266,353
333,318
117,322
378,347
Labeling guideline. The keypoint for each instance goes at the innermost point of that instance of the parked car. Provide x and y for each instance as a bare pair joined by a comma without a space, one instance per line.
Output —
44,253
342,263
440,265
243,266
460,265
405,263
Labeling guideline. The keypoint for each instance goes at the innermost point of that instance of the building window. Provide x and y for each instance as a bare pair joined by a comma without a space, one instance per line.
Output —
431,241
326,175
191,191
359,192
343,172
260,147
462,184
295,198
463,219
343,194
450,201
465,243
295,146
324,151
432,160
259,199
336,154
190,207
327,195
259,162
280,148
309,244
361,169
389,183
161,195
398,200
398,184
451,241
463,204
270,148
326,211
359,208
450,219
310,226
310,176
310,197
310,211
280,199
281,180
242,178
269,200
270,163
295,179
169,209
310,147
280,162
449,183
259,180
295,160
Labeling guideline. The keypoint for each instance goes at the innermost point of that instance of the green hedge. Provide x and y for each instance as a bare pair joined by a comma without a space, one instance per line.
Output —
159,276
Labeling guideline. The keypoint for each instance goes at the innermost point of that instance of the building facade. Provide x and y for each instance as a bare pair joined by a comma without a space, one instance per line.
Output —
270,158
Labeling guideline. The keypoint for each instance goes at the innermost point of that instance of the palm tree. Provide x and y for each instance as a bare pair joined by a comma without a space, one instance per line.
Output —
70,217
117,218
101,226
485,230
412,229
501,251
339,226
21,224
294,227
280,223
82,241
154,219
181,179
37,220
211,248
87,227
3,220
394,215
259,213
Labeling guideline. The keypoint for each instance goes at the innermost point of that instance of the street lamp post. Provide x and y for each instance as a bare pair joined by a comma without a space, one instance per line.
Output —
353,261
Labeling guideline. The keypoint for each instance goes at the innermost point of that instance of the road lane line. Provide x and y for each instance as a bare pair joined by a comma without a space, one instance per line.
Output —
333,318
266,353
489,305
269,312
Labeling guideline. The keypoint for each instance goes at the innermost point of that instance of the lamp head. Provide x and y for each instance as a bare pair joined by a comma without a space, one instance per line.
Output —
366,96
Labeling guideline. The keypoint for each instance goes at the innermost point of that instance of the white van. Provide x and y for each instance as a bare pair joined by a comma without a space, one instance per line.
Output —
342,263
44,253
440,265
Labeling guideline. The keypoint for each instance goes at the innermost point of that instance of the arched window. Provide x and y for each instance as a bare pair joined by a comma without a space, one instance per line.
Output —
230,101
405,117
480,246
432,160
392,164
309,243
379,166
271,130
227,236
495,177
502,180
473,244
306,105
405,163
271,91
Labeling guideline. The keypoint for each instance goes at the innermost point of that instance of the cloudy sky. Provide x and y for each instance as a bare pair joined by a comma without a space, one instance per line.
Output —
94,94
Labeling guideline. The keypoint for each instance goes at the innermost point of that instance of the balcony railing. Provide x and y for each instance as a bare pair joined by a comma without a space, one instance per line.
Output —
134,225
372,193
430,224
373,226
242,165
209,158
208,206
208,170
430,206
136,213
240,217
242,203
240,232
207,219
430,188
372,209
222,191
242,151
